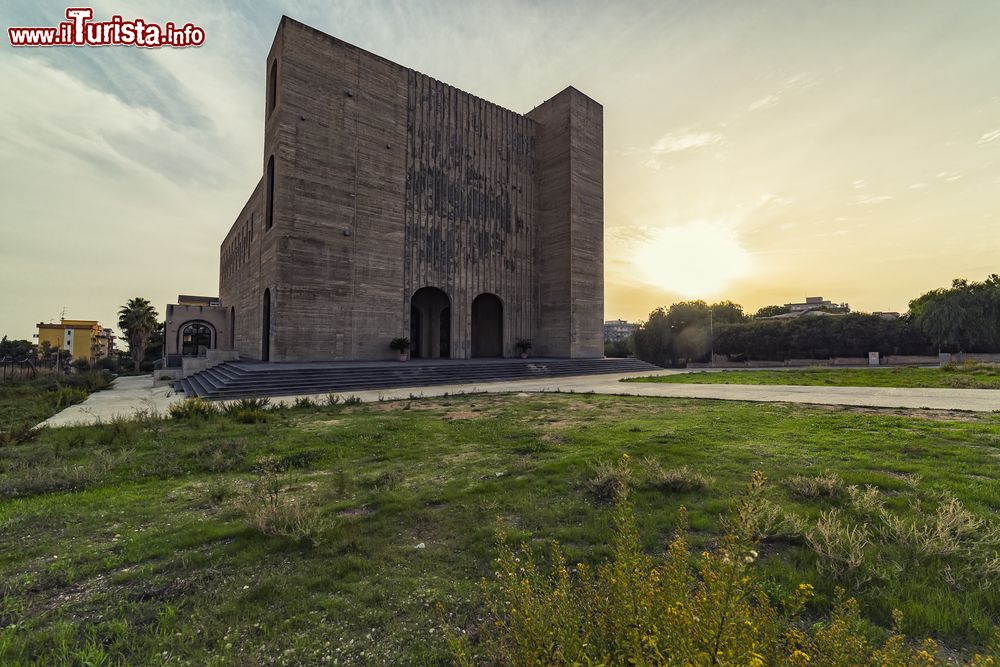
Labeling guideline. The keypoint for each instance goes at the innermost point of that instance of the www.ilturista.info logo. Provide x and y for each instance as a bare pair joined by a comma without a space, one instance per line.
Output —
80,30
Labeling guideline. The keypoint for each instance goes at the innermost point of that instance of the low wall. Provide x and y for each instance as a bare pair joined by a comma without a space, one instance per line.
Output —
962,357
890,360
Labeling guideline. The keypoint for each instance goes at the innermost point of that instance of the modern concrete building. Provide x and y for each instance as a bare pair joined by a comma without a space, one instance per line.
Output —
818,303
618,330
84,339
391,205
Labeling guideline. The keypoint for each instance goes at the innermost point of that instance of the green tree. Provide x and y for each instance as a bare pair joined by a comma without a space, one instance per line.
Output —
962,318
137,319
727,312
154,348
653,341
17,349
771,311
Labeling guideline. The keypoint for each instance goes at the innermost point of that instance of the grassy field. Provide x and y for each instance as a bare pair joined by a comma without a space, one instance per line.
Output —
974,377
328,535
25,403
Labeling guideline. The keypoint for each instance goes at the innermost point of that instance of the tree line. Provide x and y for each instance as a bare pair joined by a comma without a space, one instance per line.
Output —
137,320
962,318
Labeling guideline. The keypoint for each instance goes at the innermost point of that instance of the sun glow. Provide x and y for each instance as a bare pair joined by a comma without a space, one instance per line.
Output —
698,259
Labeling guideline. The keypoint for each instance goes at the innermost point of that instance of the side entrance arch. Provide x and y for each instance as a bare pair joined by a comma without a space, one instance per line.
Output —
430,324
487,326
194,336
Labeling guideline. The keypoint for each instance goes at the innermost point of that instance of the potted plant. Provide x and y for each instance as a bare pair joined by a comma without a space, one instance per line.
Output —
401,345
523,344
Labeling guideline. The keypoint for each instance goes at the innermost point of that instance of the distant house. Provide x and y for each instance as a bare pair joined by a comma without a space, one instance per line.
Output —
618,330
83,339
796,314
818,303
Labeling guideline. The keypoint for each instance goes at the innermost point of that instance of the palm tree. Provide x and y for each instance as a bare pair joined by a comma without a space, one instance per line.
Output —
137,319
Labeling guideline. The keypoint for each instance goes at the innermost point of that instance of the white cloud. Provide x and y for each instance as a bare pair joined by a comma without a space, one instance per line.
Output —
990,137
685,139
873,199
763,103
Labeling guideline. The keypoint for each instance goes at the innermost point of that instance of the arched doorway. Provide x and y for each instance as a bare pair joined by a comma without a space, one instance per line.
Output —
265,338
487,326
194,336
430,324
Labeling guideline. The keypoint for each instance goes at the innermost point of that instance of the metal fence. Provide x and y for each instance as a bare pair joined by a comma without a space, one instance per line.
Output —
16,369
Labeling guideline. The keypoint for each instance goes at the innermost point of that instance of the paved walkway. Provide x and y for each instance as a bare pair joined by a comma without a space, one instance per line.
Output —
130,394
127,395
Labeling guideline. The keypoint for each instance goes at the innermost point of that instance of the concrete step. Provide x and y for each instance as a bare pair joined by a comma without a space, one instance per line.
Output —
235,380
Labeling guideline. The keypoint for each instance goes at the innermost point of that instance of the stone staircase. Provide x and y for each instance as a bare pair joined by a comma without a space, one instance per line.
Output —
245,379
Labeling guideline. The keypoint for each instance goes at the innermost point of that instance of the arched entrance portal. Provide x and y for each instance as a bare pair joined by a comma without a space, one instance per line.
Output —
265,337
194,336
487,326
430,324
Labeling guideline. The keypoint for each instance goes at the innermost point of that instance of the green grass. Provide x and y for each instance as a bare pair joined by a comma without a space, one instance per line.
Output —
977,377
25,403
125,542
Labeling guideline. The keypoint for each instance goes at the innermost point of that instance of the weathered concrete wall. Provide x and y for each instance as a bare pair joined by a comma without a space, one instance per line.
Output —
387,181
247,266
469,207
569,250
339,141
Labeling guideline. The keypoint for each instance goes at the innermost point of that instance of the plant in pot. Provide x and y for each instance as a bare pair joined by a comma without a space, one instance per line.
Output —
401,345
523,344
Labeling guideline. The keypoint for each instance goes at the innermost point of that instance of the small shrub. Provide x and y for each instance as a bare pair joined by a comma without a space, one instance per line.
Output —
232,407
218,491
823,486
947,532
271,510
300,459
63,397
385,481
249,410
354,400
19,433
192,409
840,547
867,501
332,400
676,480
768,521
631,610
607,480
148,419
304,402
119,431
220,456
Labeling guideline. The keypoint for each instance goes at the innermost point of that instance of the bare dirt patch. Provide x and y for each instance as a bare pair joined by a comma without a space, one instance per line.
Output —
450,416
920,413
352,512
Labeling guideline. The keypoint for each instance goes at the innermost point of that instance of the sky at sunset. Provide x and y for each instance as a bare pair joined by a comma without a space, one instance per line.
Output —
754,151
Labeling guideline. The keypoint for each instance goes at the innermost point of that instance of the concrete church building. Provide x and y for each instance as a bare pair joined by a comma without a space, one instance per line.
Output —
394,205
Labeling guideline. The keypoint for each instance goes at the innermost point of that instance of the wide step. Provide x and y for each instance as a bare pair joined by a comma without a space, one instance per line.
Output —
243,379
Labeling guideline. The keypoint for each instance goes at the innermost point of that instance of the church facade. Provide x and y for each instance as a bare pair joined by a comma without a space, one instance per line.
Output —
394,205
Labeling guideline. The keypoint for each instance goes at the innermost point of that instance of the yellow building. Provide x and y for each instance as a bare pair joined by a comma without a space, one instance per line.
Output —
84,339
